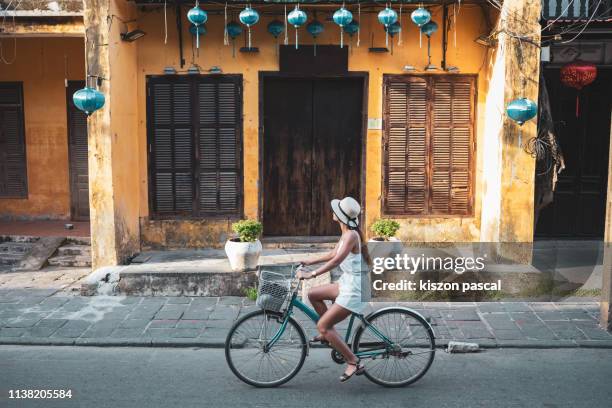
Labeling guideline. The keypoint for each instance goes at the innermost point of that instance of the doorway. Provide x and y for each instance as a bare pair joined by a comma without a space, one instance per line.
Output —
77,156
312,151
578,209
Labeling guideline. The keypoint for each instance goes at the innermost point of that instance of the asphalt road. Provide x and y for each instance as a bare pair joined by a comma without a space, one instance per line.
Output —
175,377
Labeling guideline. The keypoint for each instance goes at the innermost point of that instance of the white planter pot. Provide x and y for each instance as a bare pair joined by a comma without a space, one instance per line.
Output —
384,249
243,256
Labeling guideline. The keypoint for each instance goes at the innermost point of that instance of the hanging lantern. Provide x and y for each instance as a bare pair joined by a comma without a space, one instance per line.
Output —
342,17
315,28
521,110
276,28
392,30
88,100
429,28
249,17
233,30
351,28
387,17
197,17
577,75
197,29
420,17
297,18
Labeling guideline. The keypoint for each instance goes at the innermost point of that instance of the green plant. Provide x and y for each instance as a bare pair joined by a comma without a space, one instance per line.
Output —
248,230
385,228
251,293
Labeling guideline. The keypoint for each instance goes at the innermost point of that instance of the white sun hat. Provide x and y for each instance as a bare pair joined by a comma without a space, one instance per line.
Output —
347,210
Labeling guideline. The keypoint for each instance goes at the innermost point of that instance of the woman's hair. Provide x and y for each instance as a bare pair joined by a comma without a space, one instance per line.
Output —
364,246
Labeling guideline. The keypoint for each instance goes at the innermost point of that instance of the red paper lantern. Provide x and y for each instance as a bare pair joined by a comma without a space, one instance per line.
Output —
578,74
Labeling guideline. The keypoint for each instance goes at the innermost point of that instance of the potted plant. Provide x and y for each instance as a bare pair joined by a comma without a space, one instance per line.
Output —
243,251
384,243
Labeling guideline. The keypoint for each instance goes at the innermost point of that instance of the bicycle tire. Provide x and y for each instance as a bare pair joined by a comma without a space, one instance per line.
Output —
292,324
416,318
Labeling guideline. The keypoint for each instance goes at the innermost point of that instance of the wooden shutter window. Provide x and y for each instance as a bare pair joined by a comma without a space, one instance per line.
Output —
13,165
428,145
195,145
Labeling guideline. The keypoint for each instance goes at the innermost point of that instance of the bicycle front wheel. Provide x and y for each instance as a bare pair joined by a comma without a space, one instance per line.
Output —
410,353
252,362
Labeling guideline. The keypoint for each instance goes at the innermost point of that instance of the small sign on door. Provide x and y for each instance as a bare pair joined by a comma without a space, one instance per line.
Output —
374,123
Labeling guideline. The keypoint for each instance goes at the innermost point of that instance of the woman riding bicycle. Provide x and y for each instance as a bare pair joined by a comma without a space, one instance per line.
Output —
347,292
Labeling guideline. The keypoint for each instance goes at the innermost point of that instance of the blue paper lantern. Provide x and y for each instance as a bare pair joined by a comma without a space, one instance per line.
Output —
387,16
394,29
197,16
315,28
429,28
342,17
420,16
88,100
249,17
197,29
233,29
351,28
521,110
297,17
276,28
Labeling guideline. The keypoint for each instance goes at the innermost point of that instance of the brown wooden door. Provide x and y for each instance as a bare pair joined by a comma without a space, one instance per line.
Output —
311,152
579,206
77,151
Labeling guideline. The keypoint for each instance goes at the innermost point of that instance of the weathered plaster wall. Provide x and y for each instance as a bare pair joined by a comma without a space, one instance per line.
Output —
113,162
154,55
43,64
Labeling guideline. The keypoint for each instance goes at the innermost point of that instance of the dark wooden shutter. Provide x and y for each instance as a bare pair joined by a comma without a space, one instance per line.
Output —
428,145
195,145
13,165
219,145
406,146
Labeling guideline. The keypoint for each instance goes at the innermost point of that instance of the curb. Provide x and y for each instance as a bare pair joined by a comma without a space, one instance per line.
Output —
220,343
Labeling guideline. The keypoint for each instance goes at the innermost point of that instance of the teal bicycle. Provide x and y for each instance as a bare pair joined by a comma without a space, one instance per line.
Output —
267,347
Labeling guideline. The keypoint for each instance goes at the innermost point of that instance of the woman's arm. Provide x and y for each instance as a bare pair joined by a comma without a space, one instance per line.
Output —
338,257
322,258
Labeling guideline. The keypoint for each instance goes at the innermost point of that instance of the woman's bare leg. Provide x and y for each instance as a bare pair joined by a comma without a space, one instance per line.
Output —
319,294
334,315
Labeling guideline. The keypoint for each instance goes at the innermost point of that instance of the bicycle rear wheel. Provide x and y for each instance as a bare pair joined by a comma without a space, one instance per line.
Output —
247,357
412,352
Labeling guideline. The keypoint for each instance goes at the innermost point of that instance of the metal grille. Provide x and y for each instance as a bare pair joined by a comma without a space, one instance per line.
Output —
273,290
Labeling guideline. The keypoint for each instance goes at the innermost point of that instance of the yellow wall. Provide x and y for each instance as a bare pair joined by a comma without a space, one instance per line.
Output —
42,64
471,58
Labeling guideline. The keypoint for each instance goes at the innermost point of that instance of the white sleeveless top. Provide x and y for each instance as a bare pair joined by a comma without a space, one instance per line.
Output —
349,284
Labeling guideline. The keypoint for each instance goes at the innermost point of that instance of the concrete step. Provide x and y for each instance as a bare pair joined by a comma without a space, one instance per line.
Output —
74,250
70,261
10,259
15,247
300,242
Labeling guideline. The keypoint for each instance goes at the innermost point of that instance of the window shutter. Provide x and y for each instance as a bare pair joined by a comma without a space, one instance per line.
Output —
406,148
195,135
172,146
428,145
219,145
451,145
13,165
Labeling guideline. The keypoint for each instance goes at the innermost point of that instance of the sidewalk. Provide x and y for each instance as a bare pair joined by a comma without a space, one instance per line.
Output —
48,317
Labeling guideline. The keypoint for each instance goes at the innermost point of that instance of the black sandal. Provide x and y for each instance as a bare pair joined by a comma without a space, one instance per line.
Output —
319,339
360,369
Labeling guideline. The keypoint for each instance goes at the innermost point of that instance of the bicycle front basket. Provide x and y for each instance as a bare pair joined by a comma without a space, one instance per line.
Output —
272,291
